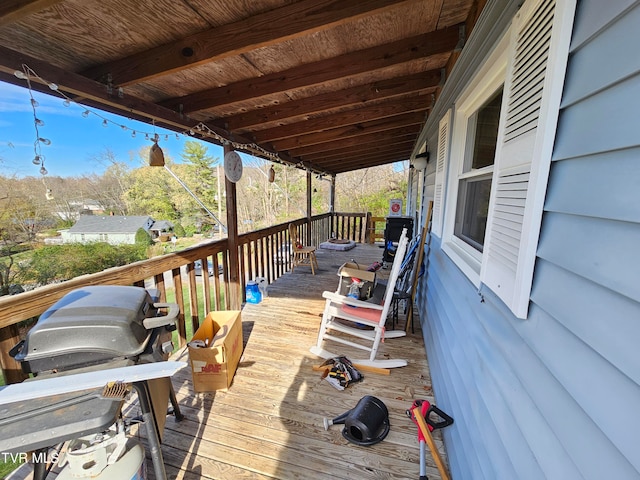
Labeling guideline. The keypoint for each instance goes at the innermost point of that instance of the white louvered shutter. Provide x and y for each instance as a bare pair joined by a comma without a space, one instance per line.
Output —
539,50
441,161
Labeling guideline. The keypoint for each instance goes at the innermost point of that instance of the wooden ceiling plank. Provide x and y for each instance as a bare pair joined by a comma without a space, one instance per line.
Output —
397,156
354,116
354,63
352,129
418,83
370,149
353,141
357,165
349,131
268,28
12,11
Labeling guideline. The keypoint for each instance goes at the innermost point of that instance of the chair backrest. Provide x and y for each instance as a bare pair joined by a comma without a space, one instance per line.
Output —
293,235
395,272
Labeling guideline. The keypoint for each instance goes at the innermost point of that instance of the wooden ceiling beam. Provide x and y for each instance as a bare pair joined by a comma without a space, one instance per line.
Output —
349,131
93,93
370,149
415,107
397,133
268,28
349,64
368,163
12,11
419,83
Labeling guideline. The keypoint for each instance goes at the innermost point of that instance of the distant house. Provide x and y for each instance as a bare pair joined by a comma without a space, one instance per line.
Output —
76,208
161,227
113,229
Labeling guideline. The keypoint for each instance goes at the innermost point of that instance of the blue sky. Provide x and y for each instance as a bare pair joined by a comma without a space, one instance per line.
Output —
76,142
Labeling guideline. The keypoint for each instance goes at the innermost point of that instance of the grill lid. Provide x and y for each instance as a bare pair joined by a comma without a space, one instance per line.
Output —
90,323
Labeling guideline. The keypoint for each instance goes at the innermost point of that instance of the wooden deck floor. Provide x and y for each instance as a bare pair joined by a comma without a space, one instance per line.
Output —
269,424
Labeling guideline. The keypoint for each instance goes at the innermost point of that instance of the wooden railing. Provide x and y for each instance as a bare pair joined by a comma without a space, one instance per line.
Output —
261,253
376,228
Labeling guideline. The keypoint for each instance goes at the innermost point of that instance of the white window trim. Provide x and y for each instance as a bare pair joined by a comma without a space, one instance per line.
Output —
488,80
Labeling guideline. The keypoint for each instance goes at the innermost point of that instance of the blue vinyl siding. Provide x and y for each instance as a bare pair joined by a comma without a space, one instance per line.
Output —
557,396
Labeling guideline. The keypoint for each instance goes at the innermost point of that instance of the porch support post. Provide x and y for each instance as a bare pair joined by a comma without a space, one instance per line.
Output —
9,337
309,178
332,195
235,288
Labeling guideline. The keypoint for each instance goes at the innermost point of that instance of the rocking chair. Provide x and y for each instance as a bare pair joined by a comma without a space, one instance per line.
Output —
302,255
341,313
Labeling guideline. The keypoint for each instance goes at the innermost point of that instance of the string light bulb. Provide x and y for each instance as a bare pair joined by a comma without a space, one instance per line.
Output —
20,74
85,114
39,122
66,102
43,170
44,141
37,160
34,103
105,124
53,86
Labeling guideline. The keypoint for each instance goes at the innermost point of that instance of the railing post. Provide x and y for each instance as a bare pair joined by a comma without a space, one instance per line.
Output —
9,337
309,178
368,238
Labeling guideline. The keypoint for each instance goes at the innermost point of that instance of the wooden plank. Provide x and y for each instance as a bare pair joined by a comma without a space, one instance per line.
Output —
328,146
177,285
426,230
9,338
353,123
316,73
12,11
362,94
193,293
346,124
268,28
279,432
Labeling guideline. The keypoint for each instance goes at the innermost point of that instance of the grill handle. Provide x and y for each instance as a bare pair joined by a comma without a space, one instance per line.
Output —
168,319
16,349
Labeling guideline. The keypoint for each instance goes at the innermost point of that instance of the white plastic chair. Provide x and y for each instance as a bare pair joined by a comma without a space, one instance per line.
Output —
339,315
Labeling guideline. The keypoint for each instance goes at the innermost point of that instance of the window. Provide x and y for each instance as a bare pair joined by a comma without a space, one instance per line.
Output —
502,129
474,189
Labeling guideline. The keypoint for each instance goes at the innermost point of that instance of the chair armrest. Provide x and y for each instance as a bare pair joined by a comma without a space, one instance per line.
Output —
341,299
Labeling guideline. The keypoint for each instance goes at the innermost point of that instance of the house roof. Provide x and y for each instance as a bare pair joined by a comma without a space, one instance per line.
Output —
330,86
109,224
161,225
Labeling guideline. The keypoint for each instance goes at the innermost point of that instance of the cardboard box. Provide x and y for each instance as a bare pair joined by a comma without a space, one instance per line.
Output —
213,366
351,270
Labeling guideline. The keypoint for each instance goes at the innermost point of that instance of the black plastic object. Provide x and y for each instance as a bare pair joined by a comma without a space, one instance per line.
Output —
445,421
368,423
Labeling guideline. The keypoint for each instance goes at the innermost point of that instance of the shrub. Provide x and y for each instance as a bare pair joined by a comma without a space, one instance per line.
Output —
63,262
178,229
143,238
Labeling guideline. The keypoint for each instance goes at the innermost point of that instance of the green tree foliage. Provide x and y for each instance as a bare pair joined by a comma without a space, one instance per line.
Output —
151,192
178,229
199,173
143,238
63,262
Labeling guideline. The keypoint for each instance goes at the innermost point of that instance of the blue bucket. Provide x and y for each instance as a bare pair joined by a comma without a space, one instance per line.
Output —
252,292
